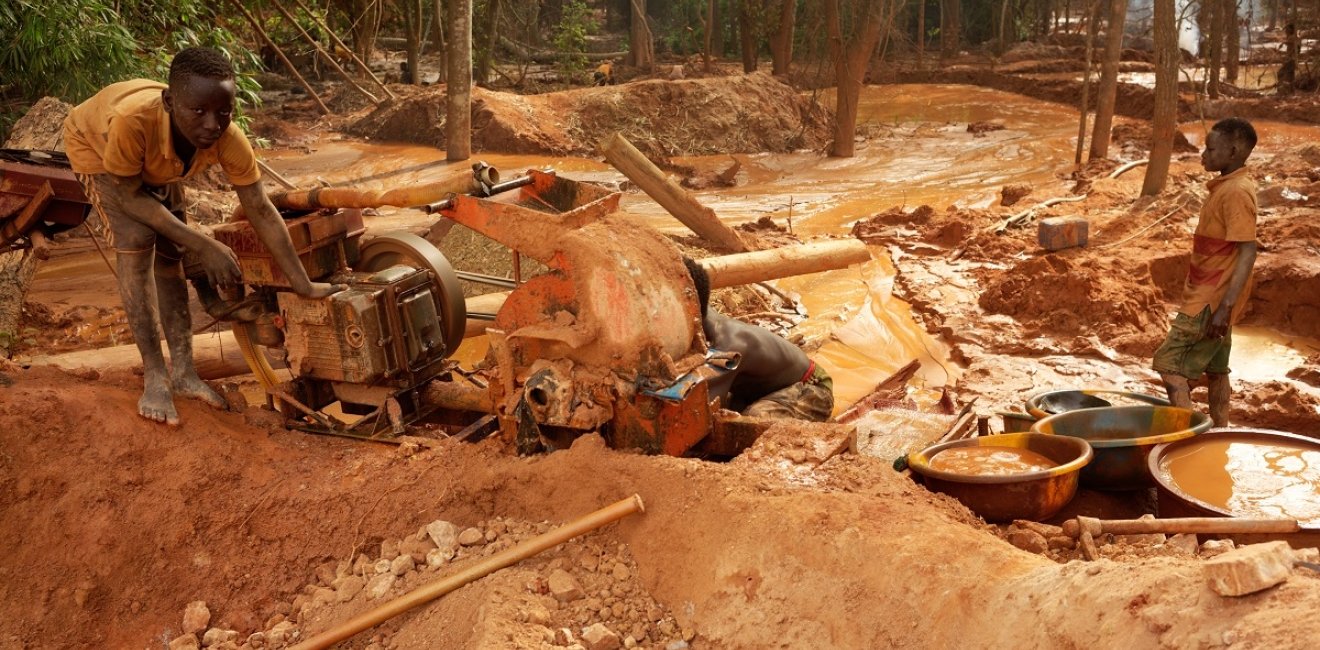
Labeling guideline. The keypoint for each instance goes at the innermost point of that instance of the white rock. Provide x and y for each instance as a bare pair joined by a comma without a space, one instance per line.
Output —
282,633
443,533
196,617
216,636
349,587
402,565
563,586
437,557
599,637
470,537
185,642
380,585
1249,569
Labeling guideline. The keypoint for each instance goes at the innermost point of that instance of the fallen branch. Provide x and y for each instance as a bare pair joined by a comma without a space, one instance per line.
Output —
1025,215
1122,169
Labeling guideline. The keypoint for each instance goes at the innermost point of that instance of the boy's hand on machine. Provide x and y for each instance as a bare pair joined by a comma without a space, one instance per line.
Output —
321,289
220,264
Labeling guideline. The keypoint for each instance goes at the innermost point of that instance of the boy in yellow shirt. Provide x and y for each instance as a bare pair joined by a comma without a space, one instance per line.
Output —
1219,280
132,144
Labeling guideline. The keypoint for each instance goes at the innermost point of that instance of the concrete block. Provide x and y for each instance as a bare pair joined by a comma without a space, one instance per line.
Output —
1249,569
1057,233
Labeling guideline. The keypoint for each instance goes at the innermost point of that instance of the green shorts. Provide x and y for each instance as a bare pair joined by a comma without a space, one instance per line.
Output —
811,400
1187,353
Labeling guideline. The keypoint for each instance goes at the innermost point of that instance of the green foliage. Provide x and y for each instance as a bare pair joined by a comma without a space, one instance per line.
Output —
67,48
570,36
72,48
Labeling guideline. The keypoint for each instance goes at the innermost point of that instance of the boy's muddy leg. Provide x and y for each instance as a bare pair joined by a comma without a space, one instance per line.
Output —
1179,390
1220,392
137,290
172,291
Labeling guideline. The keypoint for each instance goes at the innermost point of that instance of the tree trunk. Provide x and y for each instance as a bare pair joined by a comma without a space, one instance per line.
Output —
1214,45
1274,15
717,43
1092,13
438,37
950,22
1167,58
16,271
364,23
458,91
1232,45
412,33
781,46
850,54
1003,18
921,31
747,35
486,46
708,26
641,53
1107,93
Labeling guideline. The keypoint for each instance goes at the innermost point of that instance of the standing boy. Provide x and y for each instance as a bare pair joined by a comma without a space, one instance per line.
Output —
1219,280
132,144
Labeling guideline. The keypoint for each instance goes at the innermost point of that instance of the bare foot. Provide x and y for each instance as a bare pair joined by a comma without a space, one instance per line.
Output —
157,404
193,387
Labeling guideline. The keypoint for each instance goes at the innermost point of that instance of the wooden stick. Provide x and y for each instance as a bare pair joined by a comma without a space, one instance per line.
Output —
324,55
427,593
759,266
1023,215
1205,525
280,53
640,170
275,176
334,37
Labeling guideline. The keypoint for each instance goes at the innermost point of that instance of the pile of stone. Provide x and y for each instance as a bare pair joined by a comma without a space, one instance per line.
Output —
583,595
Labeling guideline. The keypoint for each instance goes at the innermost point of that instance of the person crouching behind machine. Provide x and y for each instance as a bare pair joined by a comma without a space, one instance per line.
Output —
774,378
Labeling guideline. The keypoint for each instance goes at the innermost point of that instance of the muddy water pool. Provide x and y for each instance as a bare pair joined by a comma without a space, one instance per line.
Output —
1250,478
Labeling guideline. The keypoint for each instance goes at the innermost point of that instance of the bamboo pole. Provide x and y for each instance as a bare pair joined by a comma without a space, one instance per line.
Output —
335,37
1205,525
426,593
759,266
280,53
323,54
640,170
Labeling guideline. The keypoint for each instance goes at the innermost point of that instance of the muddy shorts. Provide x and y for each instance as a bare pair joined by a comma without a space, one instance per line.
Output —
118,227
1187,353
811,399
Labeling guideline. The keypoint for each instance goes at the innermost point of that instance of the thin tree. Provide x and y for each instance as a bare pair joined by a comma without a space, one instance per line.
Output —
950,25
1232,45
487,41
438,37
921,31
413,19
1092,12
850,52
1167,58
781,43
749,39
1107,93
458,90
708,28
641,52
1214,45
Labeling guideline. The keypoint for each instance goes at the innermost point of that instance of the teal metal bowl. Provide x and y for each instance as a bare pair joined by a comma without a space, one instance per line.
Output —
1122,437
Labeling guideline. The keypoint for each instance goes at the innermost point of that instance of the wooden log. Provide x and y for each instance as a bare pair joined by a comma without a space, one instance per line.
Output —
256,26
640,170
746,268
464,182
216,357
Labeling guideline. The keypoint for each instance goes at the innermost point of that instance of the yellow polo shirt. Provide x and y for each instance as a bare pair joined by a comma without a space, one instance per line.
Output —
1228,218
124,130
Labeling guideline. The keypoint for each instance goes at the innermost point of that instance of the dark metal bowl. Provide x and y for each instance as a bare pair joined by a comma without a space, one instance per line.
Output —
1122,437
1053,402
1032,495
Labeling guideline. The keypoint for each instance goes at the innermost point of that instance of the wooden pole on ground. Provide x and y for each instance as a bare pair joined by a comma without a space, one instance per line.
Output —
759,266
1203,525
216,356
426,593
334,37
640,170
280,53
323,54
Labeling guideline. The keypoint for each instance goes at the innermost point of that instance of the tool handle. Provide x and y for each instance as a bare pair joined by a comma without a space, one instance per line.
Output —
1204,525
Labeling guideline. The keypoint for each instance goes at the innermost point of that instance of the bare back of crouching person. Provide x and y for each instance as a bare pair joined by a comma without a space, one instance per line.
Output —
774,378
132,144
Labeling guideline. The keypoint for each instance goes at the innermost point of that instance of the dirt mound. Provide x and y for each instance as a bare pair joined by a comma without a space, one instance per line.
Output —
1136,137
741,114
251,519
1278,405
1073,296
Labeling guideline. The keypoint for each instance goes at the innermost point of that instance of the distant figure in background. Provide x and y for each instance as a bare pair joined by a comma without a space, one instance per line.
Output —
1219,280
604,74
774,379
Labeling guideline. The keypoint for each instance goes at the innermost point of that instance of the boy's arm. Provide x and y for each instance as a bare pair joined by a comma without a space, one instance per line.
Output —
1219,321
270,229
219,262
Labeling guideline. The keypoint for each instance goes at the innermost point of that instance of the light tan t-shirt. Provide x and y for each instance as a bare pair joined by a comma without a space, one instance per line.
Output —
1227,219
124,130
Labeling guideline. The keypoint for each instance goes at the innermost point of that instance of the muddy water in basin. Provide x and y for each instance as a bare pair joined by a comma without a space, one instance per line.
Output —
990,461
1249,478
